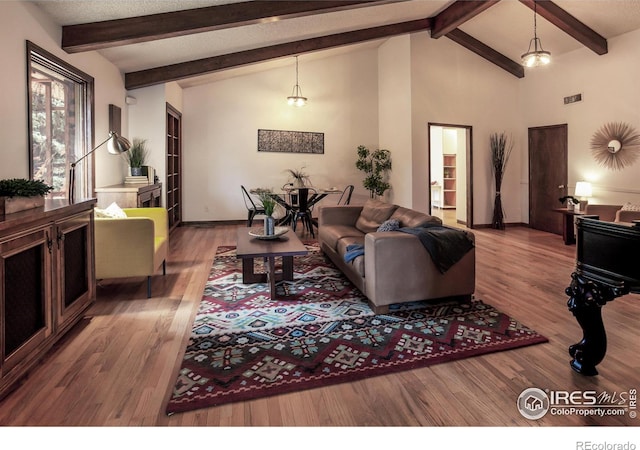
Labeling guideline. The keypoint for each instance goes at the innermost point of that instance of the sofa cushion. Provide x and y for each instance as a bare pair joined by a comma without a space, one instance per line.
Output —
113,211
630,207
374,212
357,263
389,225
410,218
332,234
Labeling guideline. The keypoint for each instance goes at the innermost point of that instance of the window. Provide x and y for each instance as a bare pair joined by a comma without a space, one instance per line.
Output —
60,109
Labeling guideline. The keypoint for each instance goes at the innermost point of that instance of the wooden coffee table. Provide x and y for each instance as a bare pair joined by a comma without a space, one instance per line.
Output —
286,246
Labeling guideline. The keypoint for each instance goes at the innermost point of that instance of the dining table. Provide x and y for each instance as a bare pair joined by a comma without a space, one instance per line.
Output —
291,198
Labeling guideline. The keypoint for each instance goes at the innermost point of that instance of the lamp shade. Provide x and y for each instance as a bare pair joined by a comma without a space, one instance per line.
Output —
538,56
583,189
117,144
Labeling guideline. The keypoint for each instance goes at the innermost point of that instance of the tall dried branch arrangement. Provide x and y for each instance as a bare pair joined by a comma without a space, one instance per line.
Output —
605,155
501,147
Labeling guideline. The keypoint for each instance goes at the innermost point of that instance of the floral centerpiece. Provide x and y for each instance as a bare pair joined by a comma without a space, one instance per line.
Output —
299,177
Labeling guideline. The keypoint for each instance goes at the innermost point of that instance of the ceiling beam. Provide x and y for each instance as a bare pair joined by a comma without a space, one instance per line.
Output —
111,33
457,14
174,72
486,52
570,25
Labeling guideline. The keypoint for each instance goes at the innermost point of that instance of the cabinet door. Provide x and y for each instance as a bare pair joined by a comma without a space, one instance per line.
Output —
75,271
25,302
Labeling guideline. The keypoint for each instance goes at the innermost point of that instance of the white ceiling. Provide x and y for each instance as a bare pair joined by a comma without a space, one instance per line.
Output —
506,27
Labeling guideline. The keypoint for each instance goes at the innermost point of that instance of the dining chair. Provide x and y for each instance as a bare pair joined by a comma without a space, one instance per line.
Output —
302,211
253,209
345,198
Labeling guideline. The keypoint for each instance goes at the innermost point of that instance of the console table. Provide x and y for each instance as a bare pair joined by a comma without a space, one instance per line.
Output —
568,223
48,268
604,271
130,195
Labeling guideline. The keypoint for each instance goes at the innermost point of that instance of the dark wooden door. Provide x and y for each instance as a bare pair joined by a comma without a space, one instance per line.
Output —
547,176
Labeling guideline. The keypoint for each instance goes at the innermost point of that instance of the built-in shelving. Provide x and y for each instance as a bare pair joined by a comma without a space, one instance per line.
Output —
449,181
174,166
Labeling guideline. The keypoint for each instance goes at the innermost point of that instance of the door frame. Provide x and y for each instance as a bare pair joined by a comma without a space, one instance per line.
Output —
468,167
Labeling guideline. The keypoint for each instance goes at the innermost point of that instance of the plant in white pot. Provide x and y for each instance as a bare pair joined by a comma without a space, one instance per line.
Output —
18,194
136,156
299,177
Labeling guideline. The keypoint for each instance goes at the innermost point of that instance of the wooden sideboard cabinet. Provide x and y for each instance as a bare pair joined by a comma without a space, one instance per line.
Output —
130,195
48,268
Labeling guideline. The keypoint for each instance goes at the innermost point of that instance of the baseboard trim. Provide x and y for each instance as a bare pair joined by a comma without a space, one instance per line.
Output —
212,223
507,225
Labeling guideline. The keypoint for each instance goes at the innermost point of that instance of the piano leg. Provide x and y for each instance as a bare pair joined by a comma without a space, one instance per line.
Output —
586,300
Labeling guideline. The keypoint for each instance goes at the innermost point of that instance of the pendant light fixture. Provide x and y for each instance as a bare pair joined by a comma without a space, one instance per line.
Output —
537,57
296,97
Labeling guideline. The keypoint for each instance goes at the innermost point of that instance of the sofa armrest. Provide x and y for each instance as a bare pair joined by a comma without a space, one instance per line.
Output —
124,247
398,266
159,216
627,216
339,215
391,258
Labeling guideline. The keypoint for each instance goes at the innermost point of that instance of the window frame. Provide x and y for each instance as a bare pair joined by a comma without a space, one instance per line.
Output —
86,174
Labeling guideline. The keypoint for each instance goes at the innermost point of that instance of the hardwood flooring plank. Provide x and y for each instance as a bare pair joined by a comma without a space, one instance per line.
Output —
118,366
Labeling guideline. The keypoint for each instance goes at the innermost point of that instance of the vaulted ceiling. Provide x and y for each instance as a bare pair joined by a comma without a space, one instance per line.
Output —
196,41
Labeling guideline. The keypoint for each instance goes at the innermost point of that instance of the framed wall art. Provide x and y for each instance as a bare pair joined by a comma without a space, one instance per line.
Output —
290,141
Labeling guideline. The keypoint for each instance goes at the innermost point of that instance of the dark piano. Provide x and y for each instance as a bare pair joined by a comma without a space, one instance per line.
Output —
606,268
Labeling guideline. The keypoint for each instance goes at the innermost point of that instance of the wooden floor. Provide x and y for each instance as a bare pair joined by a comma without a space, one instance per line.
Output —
118,366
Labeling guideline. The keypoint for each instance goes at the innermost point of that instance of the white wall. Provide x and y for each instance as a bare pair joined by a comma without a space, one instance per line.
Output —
221,122
394,72
609,87
452,85
19,22
449,84
148,120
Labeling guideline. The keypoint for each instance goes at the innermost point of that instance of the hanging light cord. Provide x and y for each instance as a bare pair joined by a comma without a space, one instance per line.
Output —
535,23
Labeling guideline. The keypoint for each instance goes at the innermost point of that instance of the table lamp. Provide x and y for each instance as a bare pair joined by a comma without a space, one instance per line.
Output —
115,145
583,192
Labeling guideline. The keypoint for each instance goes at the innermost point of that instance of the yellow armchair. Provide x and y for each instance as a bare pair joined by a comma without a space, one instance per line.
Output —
135,246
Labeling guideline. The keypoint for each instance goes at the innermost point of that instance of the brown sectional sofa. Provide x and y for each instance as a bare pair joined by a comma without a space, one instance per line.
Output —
614,213
395,266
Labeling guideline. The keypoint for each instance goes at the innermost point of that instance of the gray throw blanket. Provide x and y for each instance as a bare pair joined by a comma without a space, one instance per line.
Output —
446,245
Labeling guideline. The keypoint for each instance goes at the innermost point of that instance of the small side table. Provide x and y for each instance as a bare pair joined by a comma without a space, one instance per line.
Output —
568,222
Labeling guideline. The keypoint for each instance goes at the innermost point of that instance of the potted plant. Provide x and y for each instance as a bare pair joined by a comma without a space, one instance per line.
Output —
376,164
136,156
299,177
18,194
269,205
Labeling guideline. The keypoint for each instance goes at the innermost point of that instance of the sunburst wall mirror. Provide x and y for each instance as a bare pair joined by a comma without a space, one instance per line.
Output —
615,145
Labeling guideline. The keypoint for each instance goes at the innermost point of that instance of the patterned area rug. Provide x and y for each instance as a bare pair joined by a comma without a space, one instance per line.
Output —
245,346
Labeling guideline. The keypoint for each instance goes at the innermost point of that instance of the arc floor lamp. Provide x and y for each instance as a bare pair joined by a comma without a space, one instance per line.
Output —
116,145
